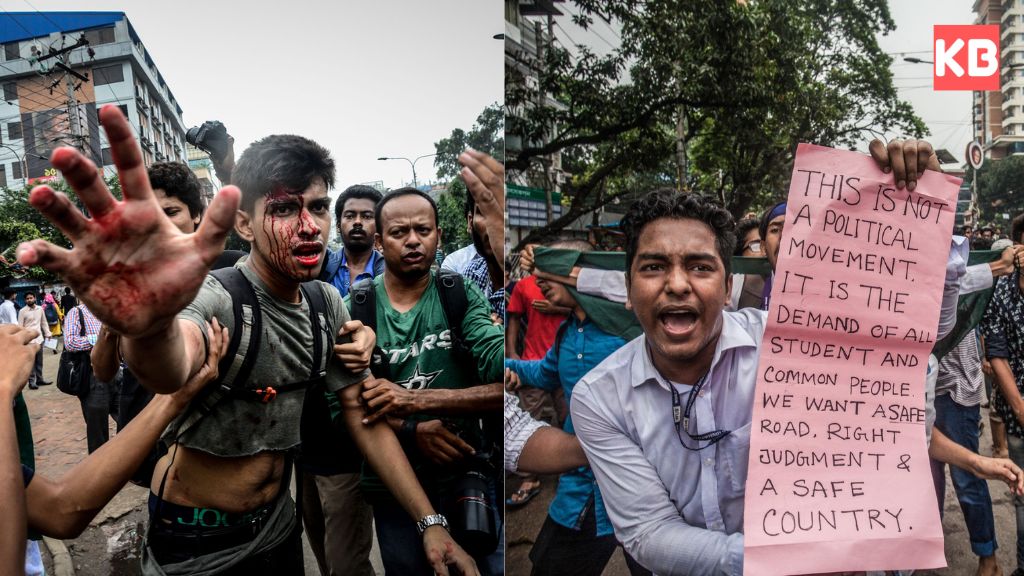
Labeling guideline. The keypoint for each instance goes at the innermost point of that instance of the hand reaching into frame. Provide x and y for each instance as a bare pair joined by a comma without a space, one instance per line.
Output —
130,265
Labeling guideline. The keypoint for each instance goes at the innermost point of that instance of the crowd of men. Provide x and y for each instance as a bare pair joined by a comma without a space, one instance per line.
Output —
366,374
646,485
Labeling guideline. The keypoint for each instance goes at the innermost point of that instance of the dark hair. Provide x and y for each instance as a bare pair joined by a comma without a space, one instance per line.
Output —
357,192
742,229
766,219
177,181
669,203
8,293
392,195
1017,228
281,160
67,290
981,243
986,229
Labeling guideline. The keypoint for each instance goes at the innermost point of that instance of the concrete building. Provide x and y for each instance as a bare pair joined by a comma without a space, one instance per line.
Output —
202,166
36,114
999,116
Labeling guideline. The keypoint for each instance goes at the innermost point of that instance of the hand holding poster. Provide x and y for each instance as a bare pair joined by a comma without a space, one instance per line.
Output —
839,477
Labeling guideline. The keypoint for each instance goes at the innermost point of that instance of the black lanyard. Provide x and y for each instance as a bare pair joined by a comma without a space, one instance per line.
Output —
710,437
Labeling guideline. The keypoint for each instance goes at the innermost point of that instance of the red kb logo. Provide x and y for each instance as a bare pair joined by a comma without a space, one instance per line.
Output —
967,57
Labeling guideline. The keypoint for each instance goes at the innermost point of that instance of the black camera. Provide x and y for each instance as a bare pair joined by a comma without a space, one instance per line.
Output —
469,507
211,137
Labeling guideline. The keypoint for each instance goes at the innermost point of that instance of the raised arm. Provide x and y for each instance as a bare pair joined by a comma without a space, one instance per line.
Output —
485,178
15,366
105,358
63,508
379,445
130,265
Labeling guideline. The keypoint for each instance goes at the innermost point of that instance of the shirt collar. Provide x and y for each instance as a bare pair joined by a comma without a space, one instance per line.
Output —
369,263
733,335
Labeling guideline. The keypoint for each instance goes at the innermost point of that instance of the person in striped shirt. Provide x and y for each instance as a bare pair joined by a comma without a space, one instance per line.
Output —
81,330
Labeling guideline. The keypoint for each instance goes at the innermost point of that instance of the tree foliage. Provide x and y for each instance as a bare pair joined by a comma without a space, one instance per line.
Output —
739,83
1001,190
486,135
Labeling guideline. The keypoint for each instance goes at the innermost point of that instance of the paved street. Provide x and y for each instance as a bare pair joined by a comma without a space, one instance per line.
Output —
524,523
110,546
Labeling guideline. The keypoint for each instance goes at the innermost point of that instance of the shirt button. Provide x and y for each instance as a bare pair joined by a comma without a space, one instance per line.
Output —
708,462
580,330
700,394
579,356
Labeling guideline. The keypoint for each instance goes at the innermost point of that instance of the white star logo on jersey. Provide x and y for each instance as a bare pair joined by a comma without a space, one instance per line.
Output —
419,380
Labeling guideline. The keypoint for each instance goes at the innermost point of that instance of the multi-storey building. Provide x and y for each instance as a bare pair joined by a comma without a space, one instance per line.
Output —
999,116
43,107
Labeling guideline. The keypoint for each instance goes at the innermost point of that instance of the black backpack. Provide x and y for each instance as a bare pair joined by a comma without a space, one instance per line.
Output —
237,364
451,289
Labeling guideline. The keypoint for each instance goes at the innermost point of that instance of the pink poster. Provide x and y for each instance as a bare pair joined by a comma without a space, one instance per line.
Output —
839,478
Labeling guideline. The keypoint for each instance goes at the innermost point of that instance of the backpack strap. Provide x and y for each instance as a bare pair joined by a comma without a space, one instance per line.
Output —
451,289
314,296
243,348
363,307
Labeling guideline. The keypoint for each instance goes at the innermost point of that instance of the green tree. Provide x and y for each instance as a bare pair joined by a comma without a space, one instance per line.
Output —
732,87
451,217
1001,190
486,135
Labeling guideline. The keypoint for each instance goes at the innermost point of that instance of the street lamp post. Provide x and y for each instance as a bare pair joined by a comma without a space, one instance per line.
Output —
412,163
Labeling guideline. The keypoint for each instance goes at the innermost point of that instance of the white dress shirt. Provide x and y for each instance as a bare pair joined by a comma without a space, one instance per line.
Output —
679,511
8,315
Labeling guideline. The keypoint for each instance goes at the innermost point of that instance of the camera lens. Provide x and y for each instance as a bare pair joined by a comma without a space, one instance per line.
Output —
192,136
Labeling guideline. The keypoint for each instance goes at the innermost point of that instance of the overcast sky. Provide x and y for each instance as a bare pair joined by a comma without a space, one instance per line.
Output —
946,113
365,79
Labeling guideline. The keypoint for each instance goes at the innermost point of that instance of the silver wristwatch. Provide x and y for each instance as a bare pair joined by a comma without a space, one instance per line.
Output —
432,520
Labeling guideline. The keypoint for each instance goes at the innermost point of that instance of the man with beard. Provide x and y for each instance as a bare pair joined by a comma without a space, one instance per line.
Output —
443,378
31,317
353,214
485,268
229,454
338,521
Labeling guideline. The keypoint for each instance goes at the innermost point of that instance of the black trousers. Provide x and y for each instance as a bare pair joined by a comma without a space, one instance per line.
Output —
170,547
97,407
37,369
562,551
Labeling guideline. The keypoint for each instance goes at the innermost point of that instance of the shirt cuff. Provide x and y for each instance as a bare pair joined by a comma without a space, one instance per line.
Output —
735,555
977,277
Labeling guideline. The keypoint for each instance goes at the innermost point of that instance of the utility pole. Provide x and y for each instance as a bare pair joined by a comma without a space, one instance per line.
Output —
63,63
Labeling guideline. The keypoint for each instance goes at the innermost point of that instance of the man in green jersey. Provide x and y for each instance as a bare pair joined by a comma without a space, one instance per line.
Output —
443,380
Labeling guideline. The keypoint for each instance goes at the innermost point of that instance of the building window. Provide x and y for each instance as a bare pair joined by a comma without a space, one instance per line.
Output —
3,175
11,51
108,158
10,91
124,109
100,36
16,170
107,74
14,131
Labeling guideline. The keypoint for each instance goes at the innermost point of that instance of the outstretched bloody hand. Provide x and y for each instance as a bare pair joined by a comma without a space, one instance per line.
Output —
130,265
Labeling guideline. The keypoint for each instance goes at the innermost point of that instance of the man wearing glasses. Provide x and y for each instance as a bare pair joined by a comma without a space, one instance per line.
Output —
665,421
747,289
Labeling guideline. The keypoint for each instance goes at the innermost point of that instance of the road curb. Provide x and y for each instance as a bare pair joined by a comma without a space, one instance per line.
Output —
62,564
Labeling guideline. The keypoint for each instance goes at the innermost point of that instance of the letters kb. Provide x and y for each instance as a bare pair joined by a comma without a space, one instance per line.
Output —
966,57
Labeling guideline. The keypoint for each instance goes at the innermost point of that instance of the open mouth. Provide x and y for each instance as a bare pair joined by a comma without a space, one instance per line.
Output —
413,257
308,253
678,322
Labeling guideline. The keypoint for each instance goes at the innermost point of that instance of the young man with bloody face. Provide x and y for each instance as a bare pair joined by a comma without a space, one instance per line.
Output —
437,393
146,280
665,421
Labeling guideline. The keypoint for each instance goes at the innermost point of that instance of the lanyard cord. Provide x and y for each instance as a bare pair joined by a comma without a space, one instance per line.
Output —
711,437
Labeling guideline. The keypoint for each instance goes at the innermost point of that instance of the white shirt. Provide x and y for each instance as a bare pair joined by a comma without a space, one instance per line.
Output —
8,315
675,510
458,260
